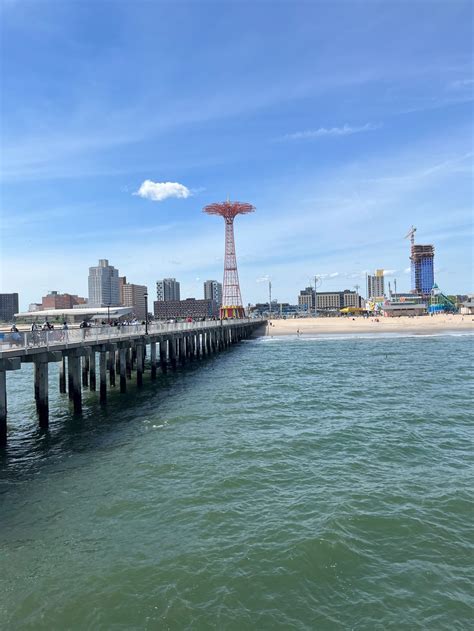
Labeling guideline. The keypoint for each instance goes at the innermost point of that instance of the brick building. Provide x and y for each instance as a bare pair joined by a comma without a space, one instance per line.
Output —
55,300
189,308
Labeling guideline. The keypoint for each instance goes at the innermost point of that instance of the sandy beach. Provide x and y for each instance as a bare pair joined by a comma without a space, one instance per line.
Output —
422,325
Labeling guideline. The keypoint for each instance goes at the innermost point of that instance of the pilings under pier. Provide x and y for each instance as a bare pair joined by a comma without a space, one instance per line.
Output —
78,362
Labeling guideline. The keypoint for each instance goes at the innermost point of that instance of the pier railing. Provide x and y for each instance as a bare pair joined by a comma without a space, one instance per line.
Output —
65,337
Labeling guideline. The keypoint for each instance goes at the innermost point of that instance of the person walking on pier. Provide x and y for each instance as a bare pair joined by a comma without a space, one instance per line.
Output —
34,334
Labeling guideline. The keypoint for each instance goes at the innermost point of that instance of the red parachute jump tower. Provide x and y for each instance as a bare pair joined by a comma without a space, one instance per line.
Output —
232,306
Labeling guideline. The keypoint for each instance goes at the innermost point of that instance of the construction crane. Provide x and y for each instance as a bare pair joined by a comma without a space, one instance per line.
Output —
411,235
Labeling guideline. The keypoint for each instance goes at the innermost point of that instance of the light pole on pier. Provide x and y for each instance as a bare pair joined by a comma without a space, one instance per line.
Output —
357,287
317,283
270,298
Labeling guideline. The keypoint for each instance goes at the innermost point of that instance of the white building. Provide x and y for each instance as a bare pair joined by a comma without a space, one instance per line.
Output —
167,289
376,285
103,285
213,291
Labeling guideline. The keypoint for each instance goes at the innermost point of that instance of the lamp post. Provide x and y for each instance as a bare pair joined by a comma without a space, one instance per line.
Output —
317,283
270,298
357,287
108,315
146,313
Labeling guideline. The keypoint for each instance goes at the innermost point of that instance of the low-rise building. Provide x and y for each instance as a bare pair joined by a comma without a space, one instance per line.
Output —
467,307
189,308
55,300
397,309
328,300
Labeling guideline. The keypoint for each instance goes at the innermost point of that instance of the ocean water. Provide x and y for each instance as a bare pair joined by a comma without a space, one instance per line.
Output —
311,483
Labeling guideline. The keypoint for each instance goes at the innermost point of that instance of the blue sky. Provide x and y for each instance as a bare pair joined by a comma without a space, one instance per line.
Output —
342,122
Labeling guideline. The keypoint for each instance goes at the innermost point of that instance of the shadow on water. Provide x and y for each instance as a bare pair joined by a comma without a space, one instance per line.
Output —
98,426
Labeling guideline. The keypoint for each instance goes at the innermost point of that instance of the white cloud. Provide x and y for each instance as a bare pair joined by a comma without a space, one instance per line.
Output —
389,272
346,130
158,191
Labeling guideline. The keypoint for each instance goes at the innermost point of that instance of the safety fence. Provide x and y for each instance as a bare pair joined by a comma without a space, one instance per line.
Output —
96,334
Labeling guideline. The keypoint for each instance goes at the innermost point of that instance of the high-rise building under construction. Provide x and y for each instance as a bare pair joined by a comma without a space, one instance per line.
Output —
422,270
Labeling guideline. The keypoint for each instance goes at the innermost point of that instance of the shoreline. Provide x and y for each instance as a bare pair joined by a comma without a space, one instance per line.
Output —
418,325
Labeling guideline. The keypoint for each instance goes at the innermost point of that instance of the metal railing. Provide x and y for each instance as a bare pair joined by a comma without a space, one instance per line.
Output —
24,340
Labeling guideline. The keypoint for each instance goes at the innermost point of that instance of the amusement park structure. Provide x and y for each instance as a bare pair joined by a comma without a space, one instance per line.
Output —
232,306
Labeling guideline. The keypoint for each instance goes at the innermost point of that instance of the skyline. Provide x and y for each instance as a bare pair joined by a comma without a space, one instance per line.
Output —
118,127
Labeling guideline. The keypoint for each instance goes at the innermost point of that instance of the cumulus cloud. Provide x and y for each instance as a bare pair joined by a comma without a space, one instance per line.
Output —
390,272
158,191
345,130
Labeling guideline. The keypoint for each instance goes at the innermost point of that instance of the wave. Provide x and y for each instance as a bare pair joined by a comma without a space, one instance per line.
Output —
321,337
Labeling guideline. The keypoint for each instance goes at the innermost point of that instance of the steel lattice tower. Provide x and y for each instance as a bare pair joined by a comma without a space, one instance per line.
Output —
232,306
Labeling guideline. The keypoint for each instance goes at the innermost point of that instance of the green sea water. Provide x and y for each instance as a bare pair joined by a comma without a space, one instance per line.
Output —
311,483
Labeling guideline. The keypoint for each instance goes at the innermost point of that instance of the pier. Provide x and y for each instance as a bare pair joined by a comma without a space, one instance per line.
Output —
101,358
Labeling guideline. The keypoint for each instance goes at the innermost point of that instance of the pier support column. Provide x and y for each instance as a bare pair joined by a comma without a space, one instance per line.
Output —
112,364
103,376
42,402
85,371
139,357
153,359
172,352
62,375
74,362
123,353
182,349
163,357
36,382
208,343
197,346
92,371
3,407
70,387
128,363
